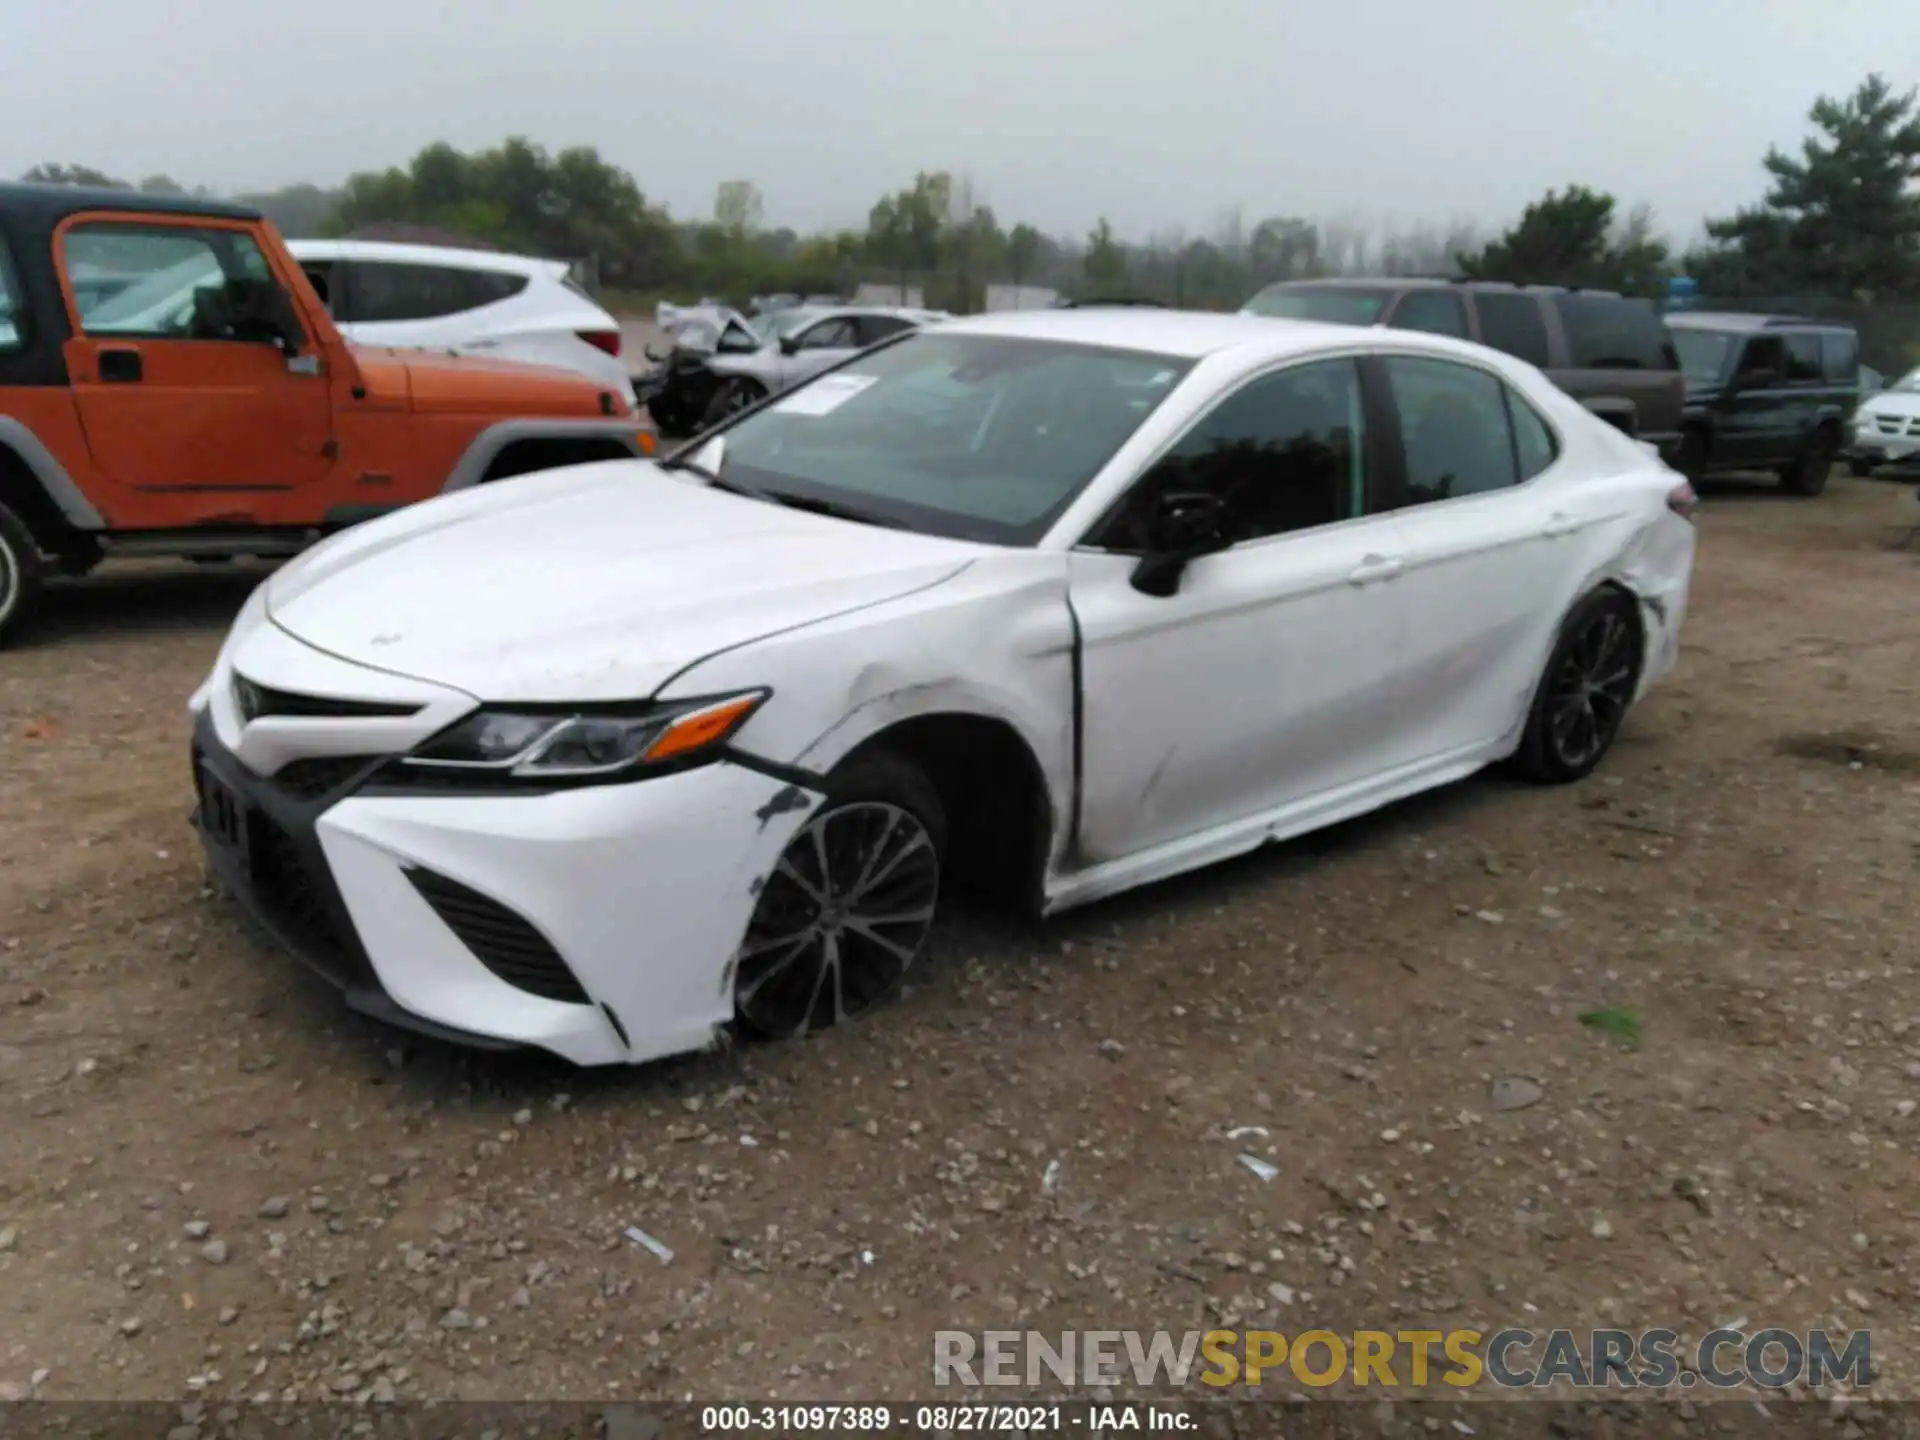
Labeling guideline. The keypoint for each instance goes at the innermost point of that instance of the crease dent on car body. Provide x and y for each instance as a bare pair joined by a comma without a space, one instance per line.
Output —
1043,606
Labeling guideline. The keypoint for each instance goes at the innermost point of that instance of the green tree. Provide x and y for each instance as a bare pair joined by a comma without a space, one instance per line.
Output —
737,208
1023,249
1843,216
74,175
1105,263
1571,237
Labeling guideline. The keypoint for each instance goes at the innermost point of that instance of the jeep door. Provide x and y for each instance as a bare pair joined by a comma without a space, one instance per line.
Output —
170,402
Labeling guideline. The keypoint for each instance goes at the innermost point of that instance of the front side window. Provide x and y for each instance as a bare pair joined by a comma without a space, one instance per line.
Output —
134,281
1331,304
1804,366
974,436
13,305
1764,361
1284,452
1513,324
1454,429
381,291
1437,312
828,335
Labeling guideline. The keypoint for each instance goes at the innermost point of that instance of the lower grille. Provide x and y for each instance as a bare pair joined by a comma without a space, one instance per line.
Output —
500,940
285,884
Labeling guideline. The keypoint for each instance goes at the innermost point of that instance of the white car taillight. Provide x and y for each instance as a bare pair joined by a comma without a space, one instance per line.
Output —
607,340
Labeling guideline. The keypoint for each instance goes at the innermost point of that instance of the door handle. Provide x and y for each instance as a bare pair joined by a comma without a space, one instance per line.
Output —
1559,524
1374,568
119,367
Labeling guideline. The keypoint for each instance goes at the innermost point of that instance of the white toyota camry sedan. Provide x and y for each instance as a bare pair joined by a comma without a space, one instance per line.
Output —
615,760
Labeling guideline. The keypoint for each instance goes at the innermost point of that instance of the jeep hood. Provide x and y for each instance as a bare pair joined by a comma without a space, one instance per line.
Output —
596,582
441,382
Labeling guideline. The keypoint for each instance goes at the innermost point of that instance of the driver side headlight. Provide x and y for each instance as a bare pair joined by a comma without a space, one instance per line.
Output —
585,745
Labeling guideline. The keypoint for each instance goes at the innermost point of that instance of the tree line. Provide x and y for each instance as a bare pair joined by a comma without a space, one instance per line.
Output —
1841,218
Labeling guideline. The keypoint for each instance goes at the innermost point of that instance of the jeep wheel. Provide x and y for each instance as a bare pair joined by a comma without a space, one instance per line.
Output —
21,574
1808,475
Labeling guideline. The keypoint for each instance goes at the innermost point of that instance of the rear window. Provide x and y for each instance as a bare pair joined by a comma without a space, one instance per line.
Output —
1513,323
1840,356
1609,332
1333,304
384,291
13,316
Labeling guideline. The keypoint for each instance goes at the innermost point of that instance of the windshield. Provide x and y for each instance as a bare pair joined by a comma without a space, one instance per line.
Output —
1336,305
978,437
1907,384
1703,353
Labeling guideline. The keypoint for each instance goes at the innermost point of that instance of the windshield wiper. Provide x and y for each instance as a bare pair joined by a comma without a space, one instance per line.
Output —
828,507
713,477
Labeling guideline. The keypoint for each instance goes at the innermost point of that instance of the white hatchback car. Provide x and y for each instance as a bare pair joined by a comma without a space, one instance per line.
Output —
480,302
1052,603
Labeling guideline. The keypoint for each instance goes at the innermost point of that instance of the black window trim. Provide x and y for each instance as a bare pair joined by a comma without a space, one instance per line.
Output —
1376,456
1402,500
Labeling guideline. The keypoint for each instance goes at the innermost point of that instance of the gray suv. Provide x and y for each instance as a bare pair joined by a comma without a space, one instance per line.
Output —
1611,353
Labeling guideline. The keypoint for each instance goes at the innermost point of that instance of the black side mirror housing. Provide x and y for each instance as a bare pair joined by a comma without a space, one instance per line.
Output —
789,345
260,311
1183,526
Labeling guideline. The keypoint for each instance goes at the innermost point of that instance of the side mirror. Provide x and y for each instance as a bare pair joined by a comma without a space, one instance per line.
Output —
1183,526
789,344
262,312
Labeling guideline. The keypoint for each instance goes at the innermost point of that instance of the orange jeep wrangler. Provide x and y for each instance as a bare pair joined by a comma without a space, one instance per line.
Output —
171,384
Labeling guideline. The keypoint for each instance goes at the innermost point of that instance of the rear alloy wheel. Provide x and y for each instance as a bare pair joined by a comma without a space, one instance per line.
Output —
731,399
847,909
1808,475
21,574
1585,692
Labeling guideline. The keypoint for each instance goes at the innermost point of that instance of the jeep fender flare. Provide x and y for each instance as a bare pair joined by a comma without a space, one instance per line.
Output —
472,465
51,475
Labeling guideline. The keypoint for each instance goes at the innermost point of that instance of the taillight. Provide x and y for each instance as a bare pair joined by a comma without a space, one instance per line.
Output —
1681,500
607,340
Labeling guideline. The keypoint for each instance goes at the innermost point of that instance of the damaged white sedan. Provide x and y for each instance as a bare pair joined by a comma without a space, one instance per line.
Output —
608,760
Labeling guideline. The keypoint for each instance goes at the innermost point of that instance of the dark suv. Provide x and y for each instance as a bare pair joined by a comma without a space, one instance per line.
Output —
1766,392
1609,352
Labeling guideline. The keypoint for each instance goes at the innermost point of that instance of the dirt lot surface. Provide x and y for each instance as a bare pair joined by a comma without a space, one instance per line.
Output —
216,1182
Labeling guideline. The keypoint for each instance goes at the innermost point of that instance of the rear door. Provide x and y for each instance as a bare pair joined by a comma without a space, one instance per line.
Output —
1487,544
167,407
1756,423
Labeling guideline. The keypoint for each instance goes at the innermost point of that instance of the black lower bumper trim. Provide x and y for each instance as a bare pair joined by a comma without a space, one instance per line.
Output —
288,890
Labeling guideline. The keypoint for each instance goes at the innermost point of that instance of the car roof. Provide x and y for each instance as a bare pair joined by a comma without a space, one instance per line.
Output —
1435,282
449,256
41,207
1745,323
1187,333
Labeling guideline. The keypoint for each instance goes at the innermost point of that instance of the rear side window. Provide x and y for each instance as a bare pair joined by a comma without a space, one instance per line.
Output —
1608,332
1840,356
1513,323
13,305
1332,304
1534,448
1437,312
383,291
1454,429
1803,360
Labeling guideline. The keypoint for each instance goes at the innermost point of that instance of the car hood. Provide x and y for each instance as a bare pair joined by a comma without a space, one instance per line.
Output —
440,382
592,583
1891,402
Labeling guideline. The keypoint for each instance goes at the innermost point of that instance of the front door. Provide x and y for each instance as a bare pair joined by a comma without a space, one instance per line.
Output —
165,405
1270,676
1754,425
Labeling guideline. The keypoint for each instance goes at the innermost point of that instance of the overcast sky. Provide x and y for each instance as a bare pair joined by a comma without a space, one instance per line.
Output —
1159,115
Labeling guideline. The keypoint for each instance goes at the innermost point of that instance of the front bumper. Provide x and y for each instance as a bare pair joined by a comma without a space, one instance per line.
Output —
598,924
1877,447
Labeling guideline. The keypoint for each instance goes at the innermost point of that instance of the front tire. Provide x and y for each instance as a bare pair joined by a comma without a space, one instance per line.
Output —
1585,691
847,909
22,574
730,399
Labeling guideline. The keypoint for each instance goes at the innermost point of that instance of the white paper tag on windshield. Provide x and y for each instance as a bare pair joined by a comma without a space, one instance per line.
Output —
823,396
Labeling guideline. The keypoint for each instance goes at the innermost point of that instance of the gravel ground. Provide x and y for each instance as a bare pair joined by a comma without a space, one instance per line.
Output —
217,1183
